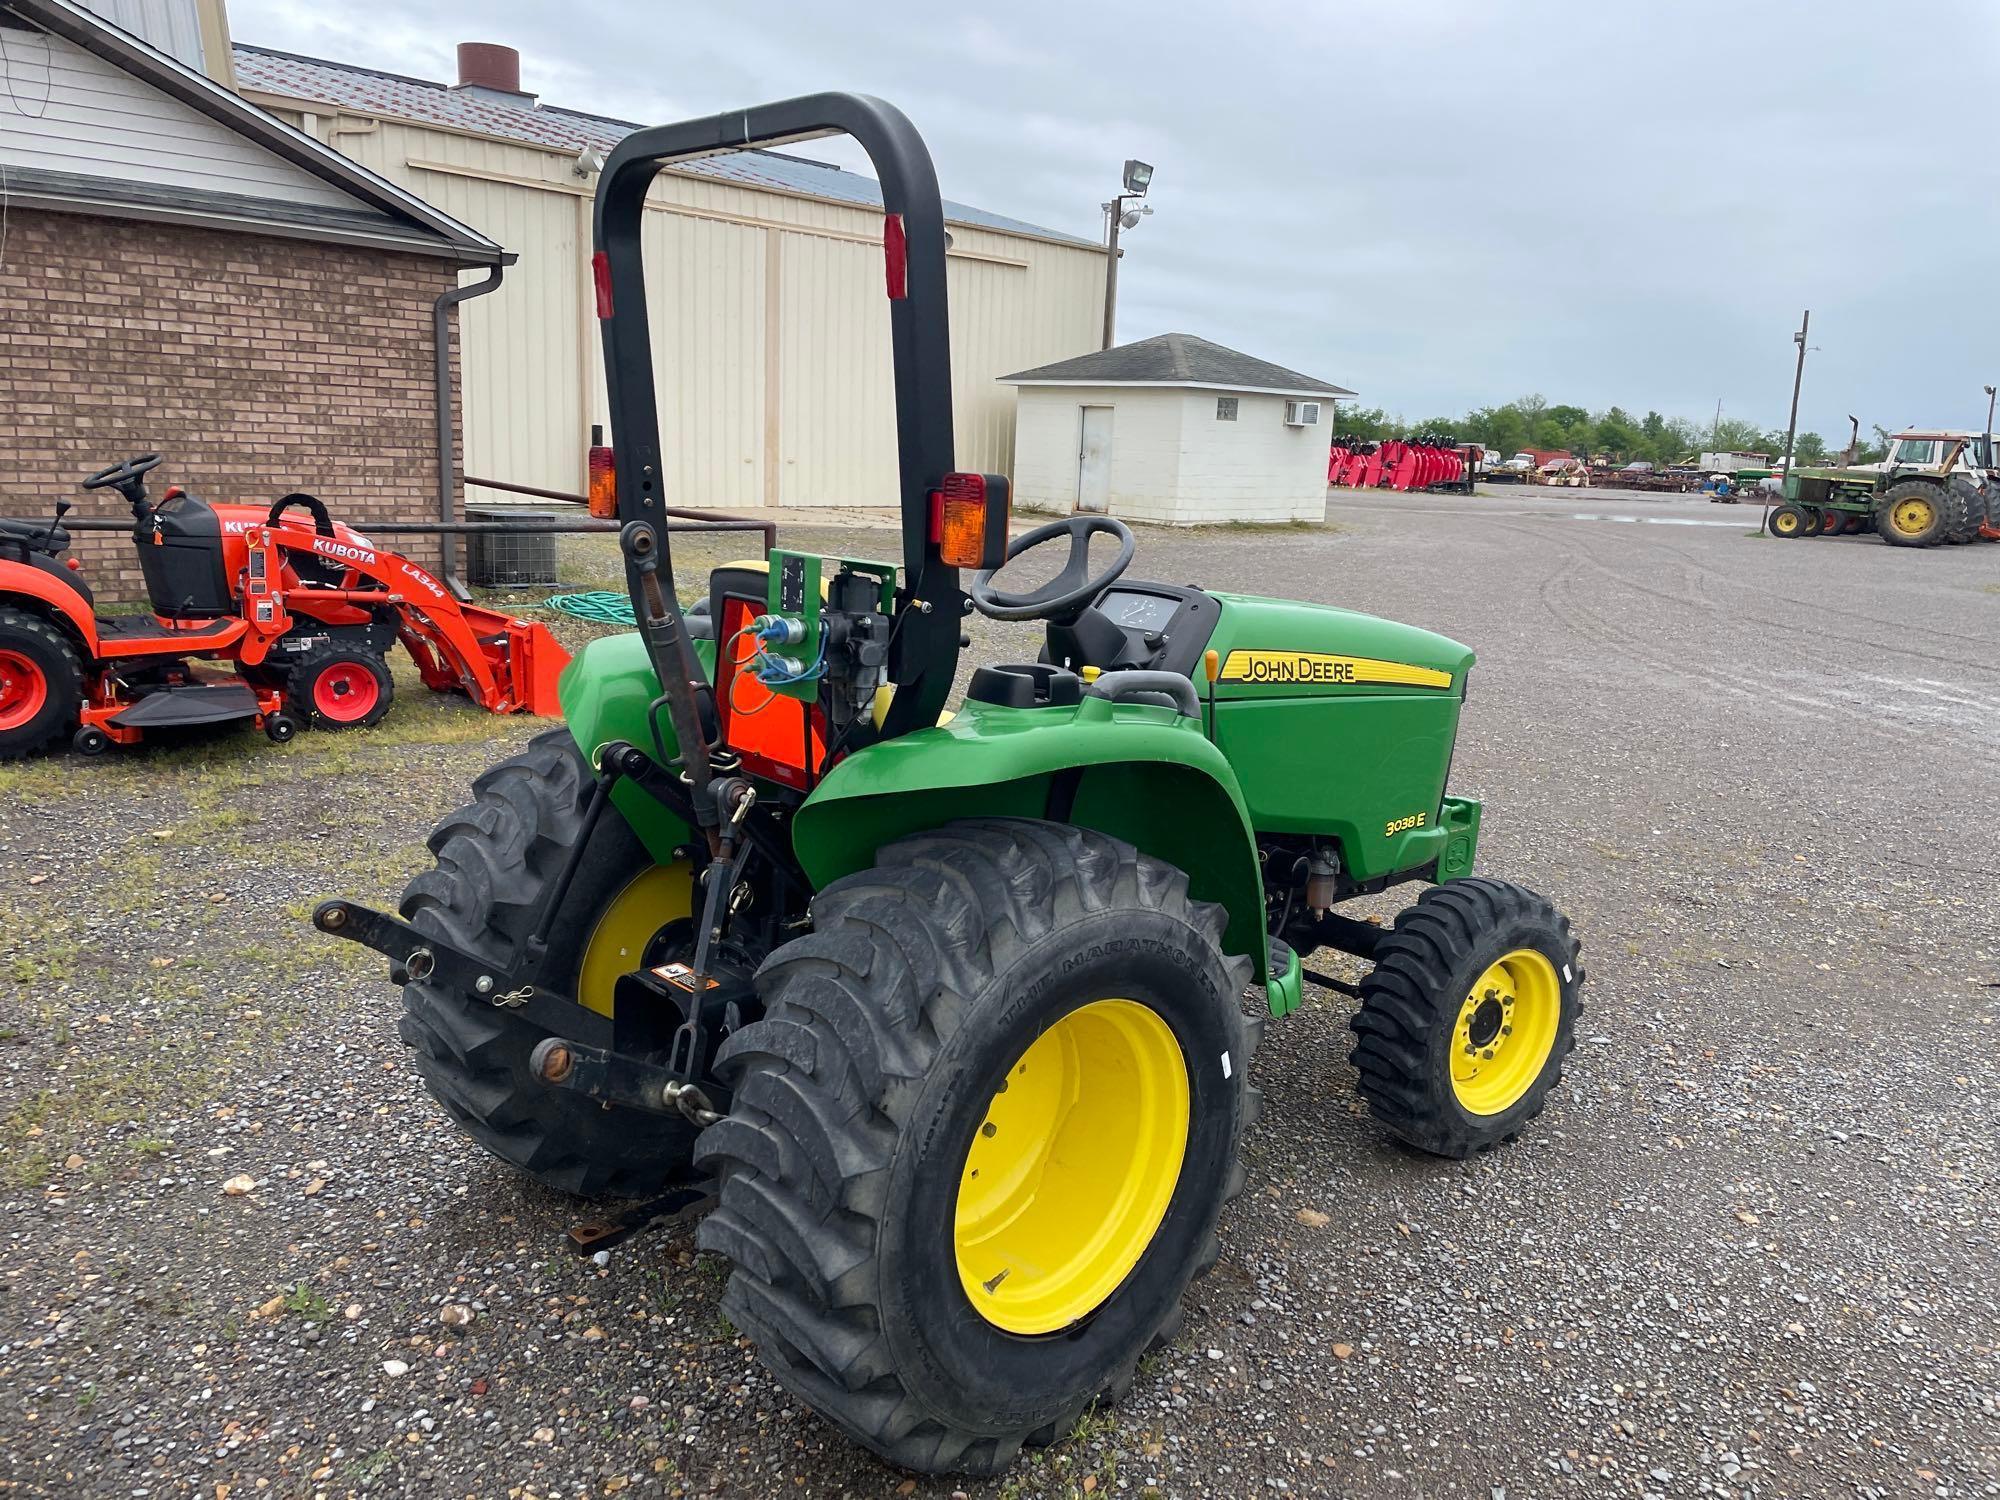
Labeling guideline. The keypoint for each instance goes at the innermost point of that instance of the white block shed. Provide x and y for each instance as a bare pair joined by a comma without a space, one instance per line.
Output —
1173,429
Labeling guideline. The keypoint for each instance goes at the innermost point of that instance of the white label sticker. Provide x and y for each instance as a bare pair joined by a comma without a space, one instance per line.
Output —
1566,978
1225,1065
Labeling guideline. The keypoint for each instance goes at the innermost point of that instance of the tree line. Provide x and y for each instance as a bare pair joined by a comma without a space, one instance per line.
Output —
1614,433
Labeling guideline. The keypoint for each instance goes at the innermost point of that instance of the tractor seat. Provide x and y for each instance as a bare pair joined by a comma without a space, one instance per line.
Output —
36,536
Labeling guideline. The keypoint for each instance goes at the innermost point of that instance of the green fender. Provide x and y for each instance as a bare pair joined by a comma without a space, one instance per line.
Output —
605,692
1138,772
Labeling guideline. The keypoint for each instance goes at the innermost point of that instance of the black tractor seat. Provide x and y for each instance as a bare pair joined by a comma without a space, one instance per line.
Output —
40,536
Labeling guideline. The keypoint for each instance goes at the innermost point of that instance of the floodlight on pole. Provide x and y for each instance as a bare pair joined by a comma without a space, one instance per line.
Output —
1138,178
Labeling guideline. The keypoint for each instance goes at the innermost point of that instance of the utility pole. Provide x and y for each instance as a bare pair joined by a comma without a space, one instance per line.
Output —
1115,208
1138,177
1792,423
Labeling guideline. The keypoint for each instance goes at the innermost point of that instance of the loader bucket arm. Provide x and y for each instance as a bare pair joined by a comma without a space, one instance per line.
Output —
925,643
502,663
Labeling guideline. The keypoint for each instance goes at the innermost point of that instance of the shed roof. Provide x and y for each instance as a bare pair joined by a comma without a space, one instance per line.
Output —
382,213
1177,359
369,91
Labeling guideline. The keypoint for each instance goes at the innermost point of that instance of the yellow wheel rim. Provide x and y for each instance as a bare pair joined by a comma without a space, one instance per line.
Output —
617,943
1072,1168
1785,523
1505,1031
1912,515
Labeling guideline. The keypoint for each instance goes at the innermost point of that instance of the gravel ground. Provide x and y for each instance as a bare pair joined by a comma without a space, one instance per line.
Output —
1749,1250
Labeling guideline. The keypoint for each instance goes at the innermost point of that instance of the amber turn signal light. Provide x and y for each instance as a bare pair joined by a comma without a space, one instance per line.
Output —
603,485
969,520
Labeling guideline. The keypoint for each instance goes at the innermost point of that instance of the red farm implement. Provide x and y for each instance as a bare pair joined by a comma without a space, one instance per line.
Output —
1424,462
303,608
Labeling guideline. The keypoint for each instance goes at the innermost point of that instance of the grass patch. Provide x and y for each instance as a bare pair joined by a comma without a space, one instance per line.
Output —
1092,1423
1263,527
305,1301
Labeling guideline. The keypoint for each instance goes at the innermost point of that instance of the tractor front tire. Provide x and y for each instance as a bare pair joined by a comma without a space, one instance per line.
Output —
1788,522
496,858
1464,1022
1914,513
340,687
41,684
981,1138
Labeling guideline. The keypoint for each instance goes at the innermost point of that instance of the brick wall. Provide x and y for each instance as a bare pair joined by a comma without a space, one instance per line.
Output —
256,365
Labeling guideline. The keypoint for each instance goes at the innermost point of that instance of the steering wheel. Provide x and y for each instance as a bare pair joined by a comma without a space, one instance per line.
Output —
1064,595
322,522
123,474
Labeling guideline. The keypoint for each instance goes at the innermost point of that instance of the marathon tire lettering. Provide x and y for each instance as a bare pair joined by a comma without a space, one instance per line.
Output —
1284,668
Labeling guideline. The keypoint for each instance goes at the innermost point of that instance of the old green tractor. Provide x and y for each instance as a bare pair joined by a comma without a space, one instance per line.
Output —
948,1011
1932,489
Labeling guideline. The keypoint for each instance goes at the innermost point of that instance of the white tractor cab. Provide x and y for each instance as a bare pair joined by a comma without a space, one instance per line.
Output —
1925,448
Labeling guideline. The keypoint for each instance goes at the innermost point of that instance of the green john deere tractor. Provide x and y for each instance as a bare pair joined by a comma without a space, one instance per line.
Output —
948,1011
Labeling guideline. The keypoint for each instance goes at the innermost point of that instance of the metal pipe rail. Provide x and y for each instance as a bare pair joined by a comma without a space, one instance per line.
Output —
582,525
678,513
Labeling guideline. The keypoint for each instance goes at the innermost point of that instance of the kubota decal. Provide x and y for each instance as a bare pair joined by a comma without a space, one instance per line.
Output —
328,547
1319,666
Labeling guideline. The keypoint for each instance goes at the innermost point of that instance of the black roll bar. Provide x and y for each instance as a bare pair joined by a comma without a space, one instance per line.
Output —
925,650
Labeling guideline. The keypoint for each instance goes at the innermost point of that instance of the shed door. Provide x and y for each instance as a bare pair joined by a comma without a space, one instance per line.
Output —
1093,460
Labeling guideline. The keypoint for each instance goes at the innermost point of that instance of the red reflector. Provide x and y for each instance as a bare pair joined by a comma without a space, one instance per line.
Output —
896,257
603,484
600,273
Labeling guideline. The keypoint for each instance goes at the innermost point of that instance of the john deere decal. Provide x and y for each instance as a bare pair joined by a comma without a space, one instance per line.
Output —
1318,666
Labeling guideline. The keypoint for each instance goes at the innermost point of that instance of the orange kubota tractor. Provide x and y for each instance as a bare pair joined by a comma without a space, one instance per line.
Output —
303,608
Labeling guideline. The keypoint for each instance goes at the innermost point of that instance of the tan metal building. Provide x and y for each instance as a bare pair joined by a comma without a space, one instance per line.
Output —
769,332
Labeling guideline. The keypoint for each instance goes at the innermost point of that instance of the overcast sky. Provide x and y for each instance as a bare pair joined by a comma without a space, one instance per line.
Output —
1440,203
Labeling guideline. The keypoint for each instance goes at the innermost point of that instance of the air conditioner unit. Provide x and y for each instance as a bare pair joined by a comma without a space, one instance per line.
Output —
1302,414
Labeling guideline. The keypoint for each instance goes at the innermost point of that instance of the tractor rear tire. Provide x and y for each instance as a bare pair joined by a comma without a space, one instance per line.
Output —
939,1323
340,687
1914,513
41,684
1464,1022
496,858
1970,512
